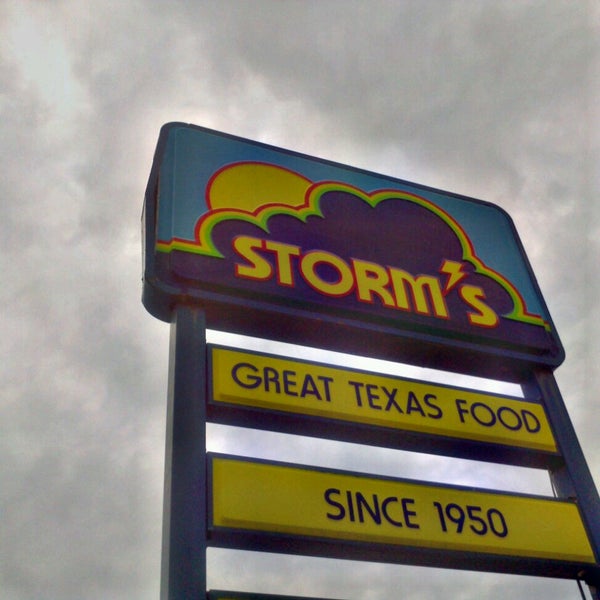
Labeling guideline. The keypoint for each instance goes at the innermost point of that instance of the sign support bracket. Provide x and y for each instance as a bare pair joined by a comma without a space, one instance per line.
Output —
183,569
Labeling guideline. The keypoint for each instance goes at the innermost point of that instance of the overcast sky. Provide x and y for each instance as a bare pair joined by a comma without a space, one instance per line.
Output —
496,100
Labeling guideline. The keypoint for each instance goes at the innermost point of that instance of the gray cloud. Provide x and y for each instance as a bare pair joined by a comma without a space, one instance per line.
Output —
493,100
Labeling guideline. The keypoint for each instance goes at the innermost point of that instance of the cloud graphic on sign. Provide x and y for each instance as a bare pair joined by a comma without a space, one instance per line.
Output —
254,193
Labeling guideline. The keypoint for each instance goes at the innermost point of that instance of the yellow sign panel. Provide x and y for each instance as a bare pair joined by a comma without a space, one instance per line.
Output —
293,386
285,499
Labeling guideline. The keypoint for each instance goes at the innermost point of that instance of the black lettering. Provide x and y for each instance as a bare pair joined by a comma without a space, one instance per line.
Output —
391,399
437,411
289,382
497,522
357,387
350,505
340,507
326,381
461,410
386,514
248,381
372,396
478,407
513,422
487,416
271,376
361,502
409,513
414,405
528,418
309,387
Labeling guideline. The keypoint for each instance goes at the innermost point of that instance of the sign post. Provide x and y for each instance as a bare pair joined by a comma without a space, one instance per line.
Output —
572,479
184,520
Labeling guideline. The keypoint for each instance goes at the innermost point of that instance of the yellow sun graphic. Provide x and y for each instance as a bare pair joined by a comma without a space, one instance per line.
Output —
250,186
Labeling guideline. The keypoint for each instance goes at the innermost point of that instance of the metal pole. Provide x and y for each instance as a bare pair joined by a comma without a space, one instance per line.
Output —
183,569
573,478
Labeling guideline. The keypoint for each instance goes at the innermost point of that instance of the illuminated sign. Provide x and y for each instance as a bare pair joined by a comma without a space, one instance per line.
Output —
258,235
266,382
384,517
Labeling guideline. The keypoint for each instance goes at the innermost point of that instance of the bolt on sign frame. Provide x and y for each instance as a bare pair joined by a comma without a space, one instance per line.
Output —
248,238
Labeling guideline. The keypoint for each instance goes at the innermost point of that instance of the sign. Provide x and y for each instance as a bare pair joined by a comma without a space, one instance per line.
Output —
260,237
266,383
251,239
390,519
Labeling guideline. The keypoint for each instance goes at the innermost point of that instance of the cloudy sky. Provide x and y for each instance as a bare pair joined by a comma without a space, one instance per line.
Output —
495,100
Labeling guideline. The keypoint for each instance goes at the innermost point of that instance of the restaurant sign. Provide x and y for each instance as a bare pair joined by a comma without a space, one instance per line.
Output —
257,235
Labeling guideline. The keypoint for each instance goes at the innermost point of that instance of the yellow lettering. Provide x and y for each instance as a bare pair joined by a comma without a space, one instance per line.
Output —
372,278
345,281
484,315
258,267
331,275
284,253
425,289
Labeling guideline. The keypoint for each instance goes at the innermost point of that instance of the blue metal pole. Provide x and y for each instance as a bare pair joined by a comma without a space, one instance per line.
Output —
183,570
572,479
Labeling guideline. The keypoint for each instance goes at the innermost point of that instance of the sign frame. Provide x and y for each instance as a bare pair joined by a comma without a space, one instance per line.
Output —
260,416
366,550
